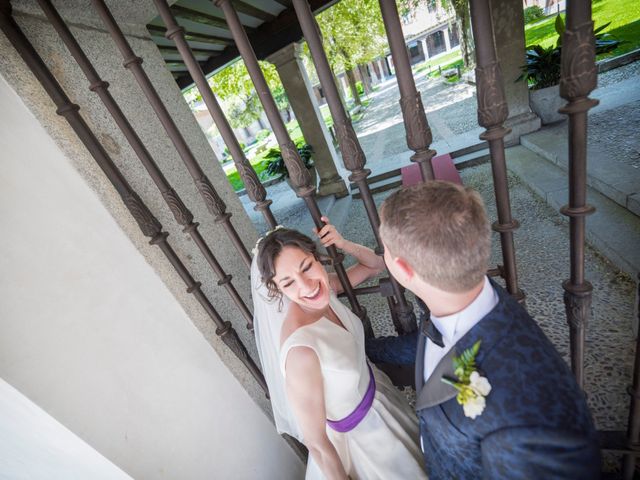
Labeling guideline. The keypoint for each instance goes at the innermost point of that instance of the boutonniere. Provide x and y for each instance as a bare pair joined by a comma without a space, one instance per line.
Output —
472,387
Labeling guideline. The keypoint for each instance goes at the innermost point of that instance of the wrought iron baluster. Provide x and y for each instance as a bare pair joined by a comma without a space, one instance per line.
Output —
633,426
255,189
492,112
181,213
299,175
579,76
415,119
147,222
350,148
214,203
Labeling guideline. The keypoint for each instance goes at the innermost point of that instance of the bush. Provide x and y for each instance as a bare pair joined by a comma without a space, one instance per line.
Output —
275,162
533,13
360,88
543,63
262,134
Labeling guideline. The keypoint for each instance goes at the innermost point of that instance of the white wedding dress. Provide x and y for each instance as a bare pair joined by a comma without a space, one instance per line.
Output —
384,445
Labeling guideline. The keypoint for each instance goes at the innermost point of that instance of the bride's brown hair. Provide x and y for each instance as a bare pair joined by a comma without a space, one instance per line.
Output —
270,248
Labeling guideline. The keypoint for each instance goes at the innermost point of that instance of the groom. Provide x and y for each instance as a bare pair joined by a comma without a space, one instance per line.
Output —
511,409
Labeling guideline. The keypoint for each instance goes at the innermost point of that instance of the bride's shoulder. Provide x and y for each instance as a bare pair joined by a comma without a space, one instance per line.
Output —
295,319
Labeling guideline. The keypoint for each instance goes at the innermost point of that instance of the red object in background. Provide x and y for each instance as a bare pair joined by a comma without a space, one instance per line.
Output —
443,169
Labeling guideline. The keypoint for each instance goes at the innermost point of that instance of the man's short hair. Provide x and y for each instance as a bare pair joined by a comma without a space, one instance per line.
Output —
442,231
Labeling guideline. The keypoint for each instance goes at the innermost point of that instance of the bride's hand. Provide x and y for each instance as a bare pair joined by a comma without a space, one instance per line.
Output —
329,235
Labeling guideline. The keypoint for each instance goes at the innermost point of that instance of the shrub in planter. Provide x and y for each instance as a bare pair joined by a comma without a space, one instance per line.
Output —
542,71
276,165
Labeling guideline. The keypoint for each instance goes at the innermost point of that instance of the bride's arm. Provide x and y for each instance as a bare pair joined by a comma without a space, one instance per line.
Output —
305,391
369,264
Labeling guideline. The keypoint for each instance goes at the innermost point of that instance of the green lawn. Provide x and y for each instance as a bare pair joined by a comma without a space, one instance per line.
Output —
624,16
444,61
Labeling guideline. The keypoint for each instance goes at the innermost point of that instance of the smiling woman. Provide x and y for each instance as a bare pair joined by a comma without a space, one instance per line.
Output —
320,365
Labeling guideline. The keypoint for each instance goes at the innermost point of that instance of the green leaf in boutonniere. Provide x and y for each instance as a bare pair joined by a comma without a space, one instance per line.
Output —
472,387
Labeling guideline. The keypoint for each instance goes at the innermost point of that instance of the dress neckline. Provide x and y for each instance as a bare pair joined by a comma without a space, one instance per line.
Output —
342,325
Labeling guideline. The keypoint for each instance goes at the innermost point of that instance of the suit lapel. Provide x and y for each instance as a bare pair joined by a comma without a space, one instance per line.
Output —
489,330
435,391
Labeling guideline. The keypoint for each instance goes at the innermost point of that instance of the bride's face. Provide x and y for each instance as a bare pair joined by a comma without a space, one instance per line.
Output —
302,278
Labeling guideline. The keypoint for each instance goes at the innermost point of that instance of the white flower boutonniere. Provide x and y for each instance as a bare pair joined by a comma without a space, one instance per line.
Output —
472,387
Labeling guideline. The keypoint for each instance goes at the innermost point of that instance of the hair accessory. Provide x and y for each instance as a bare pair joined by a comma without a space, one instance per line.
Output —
254,251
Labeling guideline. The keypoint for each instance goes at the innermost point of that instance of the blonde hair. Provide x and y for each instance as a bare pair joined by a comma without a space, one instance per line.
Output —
441,229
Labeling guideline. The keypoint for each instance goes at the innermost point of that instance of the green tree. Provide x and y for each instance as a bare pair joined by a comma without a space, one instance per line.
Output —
353,34
235,91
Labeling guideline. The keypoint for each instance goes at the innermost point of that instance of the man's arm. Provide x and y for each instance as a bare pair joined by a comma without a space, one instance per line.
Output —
538,452
400,350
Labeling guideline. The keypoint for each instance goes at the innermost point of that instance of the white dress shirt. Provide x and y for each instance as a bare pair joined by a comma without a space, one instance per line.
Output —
454,327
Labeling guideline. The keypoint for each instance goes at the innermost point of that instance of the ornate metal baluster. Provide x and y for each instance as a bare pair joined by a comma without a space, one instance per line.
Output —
415,119
300,177
147,222
579,76
352,153
633,426
492,112
181,213
214,203
255,189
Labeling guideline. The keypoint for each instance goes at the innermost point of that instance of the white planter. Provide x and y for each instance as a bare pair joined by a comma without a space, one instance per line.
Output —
546,102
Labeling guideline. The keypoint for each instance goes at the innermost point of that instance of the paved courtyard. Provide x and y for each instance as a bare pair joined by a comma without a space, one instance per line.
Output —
542,240
542,259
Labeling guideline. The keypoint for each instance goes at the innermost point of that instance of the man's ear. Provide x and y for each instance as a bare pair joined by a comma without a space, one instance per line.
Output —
404,267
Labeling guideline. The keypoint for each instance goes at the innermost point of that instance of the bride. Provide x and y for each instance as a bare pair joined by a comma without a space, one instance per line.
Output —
323,391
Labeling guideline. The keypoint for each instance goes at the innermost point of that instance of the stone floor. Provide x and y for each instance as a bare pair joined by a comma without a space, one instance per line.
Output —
542,258
541,242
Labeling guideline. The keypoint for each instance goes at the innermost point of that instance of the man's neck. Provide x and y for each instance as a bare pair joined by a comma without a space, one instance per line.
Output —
443,304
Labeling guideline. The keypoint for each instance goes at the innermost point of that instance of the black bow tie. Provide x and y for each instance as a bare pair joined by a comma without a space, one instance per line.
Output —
432,333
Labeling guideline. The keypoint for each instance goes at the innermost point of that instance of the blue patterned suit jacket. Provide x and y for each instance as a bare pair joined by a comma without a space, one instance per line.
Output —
536,424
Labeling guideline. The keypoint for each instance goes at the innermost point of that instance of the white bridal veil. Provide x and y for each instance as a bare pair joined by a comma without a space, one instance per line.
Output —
268,315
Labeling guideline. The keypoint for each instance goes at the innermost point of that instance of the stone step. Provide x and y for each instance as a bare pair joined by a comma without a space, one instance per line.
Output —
613,230
617,181
467,157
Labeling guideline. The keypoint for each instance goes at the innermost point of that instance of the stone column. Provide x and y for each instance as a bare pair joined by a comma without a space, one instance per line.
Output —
375,72
508,21
386,68
95,228
447,41
424,47
288,63
365,79
381,69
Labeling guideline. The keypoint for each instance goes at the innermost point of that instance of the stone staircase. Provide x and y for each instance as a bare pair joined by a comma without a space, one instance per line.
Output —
463,158
541,160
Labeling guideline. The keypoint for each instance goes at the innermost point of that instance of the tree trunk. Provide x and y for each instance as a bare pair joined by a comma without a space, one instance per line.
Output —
464,29
351,78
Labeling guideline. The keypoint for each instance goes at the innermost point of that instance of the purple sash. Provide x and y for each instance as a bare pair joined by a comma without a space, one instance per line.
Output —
352,420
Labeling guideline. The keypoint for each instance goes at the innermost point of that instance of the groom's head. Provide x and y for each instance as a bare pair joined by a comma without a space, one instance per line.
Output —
437,233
